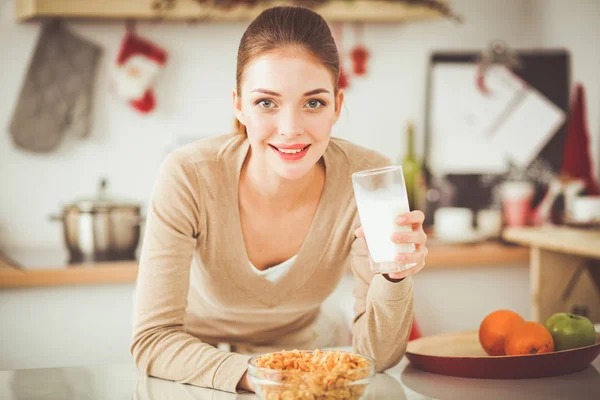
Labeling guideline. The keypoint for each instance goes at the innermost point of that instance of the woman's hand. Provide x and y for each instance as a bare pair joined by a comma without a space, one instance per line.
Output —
417,236
245,383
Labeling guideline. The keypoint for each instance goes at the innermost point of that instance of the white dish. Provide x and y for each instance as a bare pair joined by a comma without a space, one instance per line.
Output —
462,238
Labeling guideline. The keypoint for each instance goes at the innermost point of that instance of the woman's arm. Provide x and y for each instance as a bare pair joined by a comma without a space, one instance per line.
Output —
161,347
382,312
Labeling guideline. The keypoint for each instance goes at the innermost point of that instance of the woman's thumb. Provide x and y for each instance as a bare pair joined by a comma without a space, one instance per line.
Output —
359,232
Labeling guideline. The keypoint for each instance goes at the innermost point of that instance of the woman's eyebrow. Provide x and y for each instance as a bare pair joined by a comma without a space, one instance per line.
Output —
275,94
316,91
265,91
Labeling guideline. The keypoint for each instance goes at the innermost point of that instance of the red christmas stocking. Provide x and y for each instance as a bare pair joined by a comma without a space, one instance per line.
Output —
137,66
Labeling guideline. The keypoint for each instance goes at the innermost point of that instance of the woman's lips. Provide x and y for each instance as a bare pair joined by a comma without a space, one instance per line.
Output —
290,152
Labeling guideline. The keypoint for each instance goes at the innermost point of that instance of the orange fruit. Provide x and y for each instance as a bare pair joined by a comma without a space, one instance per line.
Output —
529,338
495,327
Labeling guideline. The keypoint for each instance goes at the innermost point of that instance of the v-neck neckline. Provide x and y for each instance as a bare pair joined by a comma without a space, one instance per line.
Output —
308,256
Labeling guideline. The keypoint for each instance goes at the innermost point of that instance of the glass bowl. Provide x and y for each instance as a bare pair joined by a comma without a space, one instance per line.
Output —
295,384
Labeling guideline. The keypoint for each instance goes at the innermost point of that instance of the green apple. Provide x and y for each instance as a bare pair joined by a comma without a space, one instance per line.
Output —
571,331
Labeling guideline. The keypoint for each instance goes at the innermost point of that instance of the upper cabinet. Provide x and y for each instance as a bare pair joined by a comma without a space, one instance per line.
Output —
333,10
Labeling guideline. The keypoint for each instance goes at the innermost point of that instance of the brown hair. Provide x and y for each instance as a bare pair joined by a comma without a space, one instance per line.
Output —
278,28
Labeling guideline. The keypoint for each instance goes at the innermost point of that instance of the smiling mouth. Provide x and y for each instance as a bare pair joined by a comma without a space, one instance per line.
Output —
290,151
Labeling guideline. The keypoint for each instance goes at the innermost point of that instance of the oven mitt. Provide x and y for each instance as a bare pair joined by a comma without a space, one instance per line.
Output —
57,94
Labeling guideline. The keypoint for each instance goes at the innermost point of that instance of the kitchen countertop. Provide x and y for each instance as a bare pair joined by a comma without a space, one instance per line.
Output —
123,381
563,239
49,268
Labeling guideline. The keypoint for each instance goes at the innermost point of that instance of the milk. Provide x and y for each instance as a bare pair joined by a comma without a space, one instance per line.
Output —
378,213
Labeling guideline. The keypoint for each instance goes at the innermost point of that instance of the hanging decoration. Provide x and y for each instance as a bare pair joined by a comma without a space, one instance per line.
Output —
137,66
359,53
338,34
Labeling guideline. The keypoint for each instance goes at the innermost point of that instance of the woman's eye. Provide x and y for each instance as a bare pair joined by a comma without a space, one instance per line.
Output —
314,104
266,103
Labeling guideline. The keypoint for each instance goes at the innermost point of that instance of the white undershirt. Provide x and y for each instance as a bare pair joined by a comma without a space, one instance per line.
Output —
275,272
330,325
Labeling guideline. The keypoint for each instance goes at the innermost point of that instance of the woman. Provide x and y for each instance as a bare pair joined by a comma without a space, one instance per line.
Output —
248,233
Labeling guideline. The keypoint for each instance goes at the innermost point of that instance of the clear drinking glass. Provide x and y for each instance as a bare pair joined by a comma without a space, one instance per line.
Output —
381,197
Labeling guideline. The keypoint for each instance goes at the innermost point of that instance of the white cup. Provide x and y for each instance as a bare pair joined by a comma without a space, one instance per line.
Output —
489,222
380,198
585,209
449,222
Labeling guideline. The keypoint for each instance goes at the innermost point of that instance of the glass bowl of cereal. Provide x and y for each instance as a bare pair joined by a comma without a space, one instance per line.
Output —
315,375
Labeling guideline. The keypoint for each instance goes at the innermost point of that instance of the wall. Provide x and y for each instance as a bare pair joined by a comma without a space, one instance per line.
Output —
194,95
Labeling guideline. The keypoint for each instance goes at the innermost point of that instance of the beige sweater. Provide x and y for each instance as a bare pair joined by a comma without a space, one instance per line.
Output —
196,289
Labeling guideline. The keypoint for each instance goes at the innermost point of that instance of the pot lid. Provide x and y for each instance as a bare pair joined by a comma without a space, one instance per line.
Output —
102,201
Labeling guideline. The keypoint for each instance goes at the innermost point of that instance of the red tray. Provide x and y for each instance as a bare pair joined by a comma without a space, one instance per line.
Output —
461,354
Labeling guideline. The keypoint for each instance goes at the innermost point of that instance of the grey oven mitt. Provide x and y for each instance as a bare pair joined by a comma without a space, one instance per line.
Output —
57,94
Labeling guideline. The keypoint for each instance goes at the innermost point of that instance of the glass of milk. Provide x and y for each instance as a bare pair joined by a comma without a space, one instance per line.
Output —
381,197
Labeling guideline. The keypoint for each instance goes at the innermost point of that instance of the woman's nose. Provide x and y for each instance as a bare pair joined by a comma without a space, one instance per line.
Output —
290,123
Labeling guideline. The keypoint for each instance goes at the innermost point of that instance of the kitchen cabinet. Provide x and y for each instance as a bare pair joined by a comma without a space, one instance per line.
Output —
185,10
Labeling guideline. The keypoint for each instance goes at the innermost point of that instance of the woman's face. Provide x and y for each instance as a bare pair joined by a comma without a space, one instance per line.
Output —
288,106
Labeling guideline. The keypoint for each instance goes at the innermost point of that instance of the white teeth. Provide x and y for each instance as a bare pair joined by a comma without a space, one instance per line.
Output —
289,151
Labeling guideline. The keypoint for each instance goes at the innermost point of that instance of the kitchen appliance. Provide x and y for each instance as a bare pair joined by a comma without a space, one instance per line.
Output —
101,228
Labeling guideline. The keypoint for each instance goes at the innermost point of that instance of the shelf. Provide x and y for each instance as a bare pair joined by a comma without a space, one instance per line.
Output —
99,273
579,242
185,10
440,257
444,256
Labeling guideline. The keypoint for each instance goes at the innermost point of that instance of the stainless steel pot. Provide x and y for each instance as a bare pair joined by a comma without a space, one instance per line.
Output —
101,228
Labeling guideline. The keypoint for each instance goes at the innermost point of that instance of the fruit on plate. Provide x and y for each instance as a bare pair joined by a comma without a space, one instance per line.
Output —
494,328
528,338
571,331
